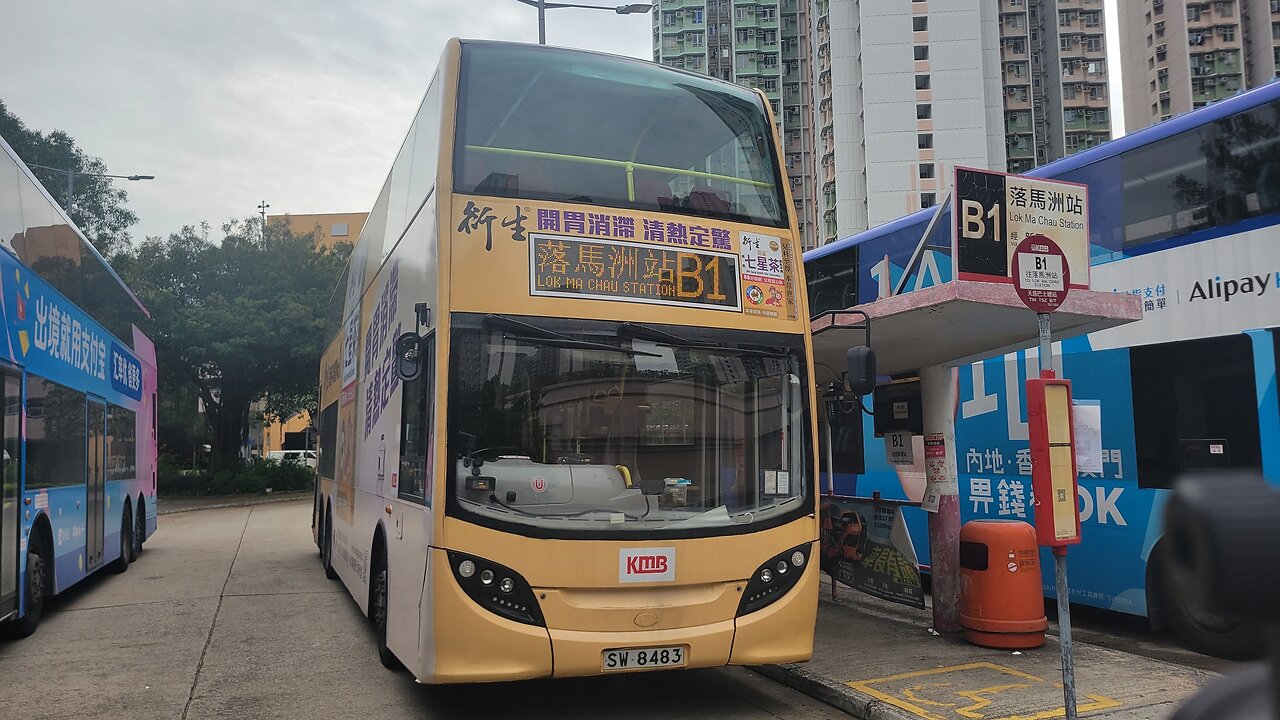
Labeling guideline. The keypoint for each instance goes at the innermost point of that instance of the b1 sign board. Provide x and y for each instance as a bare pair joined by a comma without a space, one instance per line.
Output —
1041,274
994,212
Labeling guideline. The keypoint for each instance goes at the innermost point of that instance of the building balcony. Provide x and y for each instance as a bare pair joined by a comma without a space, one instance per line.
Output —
1013,103
1020,152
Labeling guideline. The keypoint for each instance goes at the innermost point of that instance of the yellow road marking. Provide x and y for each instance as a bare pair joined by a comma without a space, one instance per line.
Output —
1099,703
909,699
980,701
910,694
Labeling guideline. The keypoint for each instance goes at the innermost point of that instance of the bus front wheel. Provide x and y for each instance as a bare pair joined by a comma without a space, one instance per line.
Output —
326,548
1221,636
381,606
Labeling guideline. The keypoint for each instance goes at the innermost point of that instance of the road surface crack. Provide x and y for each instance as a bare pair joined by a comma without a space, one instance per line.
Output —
208,640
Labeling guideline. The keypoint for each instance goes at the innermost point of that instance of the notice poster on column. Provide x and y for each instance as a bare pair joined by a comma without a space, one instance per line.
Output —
935,472
866,546
1087,415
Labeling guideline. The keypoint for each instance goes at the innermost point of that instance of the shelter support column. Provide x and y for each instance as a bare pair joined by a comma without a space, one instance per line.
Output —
938,395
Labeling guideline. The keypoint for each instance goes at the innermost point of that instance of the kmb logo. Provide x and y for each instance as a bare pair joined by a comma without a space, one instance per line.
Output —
647,565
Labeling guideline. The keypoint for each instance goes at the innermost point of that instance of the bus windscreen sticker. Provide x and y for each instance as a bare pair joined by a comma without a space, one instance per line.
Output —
570,267
763,274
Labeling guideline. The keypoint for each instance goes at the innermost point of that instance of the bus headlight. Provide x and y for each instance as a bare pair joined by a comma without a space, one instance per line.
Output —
510,597
773,579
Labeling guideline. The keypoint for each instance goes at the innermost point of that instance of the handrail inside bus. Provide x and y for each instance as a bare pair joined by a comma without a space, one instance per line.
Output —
627,165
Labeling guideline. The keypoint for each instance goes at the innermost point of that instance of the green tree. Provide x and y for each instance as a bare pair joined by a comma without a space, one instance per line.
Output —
239,320
98,207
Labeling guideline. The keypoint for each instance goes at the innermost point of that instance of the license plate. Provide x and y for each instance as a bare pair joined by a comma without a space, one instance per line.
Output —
637,658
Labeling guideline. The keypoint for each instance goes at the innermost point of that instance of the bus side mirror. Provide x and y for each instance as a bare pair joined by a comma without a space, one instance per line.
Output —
862,370
409,356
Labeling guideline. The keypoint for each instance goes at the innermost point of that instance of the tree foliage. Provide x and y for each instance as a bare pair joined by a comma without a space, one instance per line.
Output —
97,207
239,320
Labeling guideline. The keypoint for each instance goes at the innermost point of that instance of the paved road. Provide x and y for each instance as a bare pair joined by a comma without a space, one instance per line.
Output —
228,615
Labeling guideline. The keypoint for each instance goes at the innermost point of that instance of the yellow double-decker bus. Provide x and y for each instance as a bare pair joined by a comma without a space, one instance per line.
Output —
566,418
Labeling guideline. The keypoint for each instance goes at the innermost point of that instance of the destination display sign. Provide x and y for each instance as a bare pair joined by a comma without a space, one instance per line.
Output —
994,212
561,266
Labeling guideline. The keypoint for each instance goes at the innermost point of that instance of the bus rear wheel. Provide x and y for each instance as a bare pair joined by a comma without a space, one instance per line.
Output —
121,563
139,531
1231,638
36,580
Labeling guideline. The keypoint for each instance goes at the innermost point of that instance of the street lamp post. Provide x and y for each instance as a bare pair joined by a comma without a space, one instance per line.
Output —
71,179
543,6
262,209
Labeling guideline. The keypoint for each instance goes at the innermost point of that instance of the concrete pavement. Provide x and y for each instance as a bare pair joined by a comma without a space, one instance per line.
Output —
880,661
227,614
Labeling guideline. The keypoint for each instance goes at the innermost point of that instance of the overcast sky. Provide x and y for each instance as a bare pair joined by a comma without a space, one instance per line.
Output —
302,103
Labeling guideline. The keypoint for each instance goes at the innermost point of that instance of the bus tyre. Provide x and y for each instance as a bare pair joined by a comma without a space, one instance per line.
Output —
326,548
121,563
37,583
1231,638
139,531
379,613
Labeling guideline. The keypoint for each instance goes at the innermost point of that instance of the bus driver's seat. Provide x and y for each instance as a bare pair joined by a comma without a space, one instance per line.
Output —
703,198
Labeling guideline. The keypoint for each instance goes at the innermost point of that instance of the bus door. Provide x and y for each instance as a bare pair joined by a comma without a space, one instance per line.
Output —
95,495
10,477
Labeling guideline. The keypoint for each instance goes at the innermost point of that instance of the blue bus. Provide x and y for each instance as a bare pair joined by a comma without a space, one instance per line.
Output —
78,431
1183,215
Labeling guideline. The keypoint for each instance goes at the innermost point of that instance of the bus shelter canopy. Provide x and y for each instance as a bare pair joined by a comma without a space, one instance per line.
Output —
958,323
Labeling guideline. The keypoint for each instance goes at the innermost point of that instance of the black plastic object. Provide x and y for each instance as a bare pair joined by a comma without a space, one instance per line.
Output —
409,356
759,593
519,605
862,370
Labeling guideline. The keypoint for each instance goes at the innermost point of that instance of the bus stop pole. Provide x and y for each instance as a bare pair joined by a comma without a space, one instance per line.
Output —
938,395
1060,557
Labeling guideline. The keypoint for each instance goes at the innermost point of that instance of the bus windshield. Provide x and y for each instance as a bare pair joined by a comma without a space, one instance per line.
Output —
574,425
547,124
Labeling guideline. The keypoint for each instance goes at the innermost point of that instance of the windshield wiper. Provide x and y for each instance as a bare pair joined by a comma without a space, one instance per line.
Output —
637,331
494,499
579,345
767,507
534,334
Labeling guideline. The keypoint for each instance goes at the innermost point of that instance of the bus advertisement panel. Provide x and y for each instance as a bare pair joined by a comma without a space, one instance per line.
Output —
1182,215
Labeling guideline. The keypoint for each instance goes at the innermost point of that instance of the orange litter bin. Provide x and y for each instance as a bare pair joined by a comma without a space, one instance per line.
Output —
1001,597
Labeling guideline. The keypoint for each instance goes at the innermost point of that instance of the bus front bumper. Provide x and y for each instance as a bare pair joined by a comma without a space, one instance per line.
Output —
475,645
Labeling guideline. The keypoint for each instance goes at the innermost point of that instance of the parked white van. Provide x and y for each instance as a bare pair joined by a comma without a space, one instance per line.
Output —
302,457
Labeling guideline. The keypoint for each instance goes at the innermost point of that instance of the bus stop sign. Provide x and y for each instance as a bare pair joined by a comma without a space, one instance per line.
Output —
1041,273
1053,461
